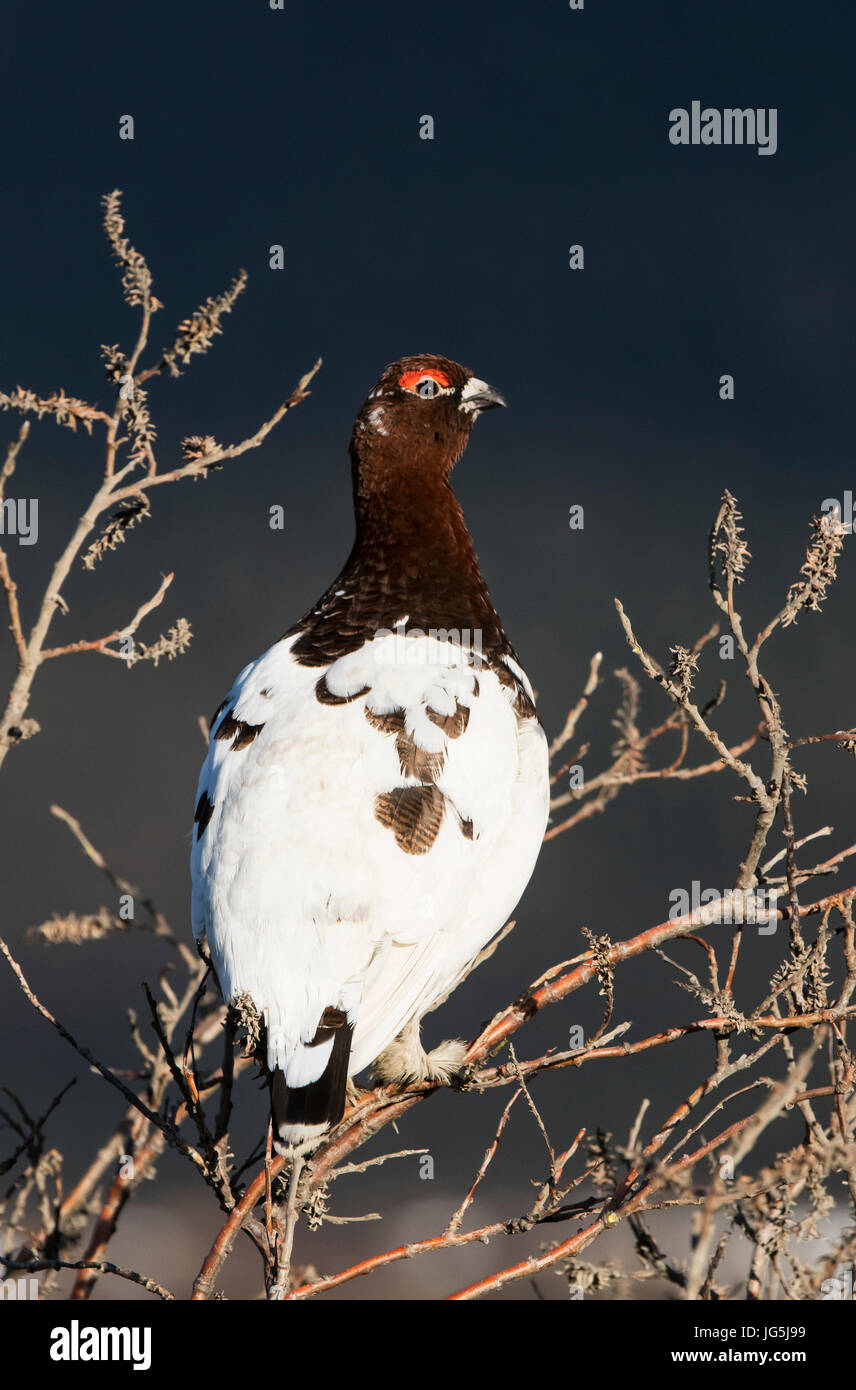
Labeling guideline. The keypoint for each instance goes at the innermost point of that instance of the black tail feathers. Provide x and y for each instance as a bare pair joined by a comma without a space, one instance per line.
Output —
303,1113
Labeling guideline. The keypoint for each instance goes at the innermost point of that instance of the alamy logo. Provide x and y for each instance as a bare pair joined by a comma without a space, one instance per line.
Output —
735,907
732,126
840,1288
76,1343
12,1289
838,519
400,646
19,516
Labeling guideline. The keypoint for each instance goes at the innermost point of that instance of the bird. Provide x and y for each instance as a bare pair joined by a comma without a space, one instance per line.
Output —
376,787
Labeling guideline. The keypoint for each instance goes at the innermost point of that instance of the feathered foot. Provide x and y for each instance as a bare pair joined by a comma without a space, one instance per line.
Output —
353,1093
406,1060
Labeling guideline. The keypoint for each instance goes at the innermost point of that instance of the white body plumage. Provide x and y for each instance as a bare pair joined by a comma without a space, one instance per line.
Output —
305,894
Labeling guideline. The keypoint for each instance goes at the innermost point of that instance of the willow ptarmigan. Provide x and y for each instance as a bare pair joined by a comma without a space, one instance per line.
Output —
376,790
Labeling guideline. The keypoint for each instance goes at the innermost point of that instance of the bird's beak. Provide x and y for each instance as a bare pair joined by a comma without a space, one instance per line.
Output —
477,396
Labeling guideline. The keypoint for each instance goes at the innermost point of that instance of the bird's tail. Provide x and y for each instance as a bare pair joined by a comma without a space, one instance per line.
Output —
304,1111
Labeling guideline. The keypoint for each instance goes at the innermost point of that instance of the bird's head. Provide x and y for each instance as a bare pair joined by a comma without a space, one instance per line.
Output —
421,413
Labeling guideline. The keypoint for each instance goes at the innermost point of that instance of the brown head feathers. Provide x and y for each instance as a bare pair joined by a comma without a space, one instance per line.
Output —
419,415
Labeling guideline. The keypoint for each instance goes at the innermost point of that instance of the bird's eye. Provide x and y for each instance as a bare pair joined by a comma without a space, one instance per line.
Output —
427,383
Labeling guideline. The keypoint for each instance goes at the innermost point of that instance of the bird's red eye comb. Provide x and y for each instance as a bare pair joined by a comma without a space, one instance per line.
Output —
409,379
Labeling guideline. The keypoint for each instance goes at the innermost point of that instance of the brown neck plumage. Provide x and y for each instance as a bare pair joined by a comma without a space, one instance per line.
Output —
412,558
